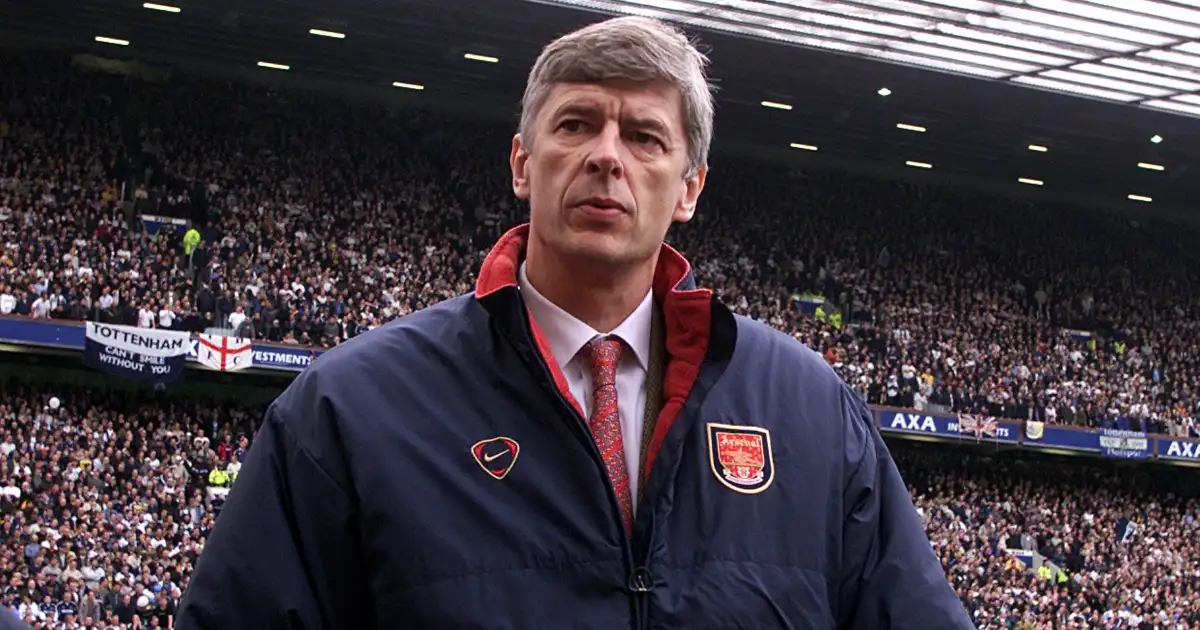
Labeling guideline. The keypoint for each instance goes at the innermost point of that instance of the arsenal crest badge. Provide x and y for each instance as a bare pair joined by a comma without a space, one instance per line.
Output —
496,455
741,457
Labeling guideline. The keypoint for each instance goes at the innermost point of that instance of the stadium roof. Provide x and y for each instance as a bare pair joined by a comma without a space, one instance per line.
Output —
778,101
1131,51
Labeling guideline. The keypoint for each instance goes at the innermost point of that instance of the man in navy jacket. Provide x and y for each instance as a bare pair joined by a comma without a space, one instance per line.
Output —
587,441
9,621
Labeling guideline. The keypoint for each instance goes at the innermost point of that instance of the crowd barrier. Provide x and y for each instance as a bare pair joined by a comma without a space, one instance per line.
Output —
904,423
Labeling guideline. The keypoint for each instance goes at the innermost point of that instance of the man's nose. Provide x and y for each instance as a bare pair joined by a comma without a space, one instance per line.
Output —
605,156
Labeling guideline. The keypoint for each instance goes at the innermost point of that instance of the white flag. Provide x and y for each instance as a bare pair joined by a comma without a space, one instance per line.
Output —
224,353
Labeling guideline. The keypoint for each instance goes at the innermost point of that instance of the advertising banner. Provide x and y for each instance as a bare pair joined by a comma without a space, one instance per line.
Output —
954,426
1042,435
283,357
1180,449
42,332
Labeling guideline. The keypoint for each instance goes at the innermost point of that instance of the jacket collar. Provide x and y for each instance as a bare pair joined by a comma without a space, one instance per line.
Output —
672,276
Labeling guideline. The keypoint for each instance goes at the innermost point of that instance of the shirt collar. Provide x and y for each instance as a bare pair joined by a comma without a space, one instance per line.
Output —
567,335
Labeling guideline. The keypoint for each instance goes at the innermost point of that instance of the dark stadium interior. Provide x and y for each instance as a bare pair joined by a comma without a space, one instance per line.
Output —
330,204
977,129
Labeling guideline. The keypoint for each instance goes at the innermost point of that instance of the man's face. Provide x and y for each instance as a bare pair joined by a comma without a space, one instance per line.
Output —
604,171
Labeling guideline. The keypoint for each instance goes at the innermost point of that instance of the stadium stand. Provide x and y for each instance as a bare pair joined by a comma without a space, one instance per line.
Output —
322,219
105,501
1124,541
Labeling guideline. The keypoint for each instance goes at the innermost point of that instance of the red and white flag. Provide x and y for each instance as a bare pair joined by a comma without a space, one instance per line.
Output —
979,425
224,353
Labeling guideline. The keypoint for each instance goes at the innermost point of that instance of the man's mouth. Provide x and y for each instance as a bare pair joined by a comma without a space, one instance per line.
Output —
603,203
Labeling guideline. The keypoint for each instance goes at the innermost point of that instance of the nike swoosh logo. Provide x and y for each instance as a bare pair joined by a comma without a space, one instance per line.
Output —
491,458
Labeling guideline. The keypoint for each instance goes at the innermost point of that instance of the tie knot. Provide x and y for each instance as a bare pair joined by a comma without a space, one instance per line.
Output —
602,355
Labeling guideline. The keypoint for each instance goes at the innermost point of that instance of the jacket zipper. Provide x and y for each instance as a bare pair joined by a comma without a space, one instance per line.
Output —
640,581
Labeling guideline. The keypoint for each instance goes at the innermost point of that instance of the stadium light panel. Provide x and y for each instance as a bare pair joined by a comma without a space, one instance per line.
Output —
1031,182
1152,69
805,147
1174,105
165,8
918,164
1127,87
408,86
323,33
1142,198
1144,52
1075,88
884,92
774,105
273,66
1175,56
1188,83
987,48
908,127
1038,148
1156,139
112,40
935,52
1151,167
972,33
483,58
941,65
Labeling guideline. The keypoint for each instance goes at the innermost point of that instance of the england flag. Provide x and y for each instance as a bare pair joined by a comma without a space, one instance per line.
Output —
226,354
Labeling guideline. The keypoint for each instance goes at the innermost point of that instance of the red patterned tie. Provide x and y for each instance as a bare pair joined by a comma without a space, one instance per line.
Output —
602,355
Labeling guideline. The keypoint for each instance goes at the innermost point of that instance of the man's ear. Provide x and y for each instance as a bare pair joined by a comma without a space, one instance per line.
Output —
518,160
693,185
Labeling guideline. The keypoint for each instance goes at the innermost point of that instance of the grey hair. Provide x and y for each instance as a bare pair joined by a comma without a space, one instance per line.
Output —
630,49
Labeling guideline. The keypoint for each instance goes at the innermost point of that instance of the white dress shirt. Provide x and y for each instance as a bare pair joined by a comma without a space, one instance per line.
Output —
567,336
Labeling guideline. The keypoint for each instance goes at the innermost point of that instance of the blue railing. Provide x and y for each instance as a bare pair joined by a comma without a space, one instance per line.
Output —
33,334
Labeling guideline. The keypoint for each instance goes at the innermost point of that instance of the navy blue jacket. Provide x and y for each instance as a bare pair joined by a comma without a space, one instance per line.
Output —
9,621
436,473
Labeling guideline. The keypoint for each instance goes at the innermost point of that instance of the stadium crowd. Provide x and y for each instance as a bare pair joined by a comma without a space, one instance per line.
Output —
106,498
322,219
1125,547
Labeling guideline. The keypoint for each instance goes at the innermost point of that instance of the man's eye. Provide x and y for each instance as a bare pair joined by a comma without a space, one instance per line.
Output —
648,141
571,125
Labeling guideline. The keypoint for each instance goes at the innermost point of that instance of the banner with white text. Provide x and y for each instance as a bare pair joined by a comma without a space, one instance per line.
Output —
144,354
1124,444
